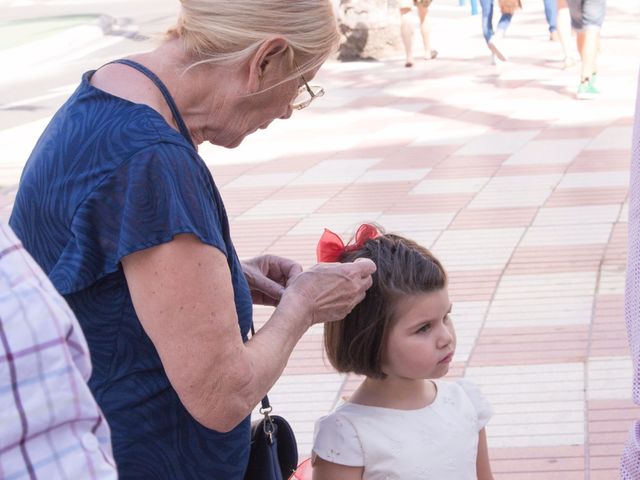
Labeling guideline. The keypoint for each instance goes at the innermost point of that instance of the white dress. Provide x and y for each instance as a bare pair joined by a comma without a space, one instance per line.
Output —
439,441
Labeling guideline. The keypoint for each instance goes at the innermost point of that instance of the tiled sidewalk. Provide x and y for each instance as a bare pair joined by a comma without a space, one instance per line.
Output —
518,187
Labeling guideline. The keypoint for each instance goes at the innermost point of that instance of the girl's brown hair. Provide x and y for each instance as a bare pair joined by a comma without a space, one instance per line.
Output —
356,344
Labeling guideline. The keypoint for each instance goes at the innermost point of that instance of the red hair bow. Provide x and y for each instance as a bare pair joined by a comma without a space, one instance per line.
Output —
331,248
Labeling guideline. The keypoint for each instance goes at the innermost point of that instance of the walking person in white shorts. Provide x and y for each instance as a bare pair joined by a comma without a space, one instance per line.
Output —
406,29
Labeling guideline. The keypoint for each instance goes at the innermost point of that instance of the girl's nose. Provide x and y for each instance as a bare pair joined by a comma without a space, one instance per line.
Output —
445,337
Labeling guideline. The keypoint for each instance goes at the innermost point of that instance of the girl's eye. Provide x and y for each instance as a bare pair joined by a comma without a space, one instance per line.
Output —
424,328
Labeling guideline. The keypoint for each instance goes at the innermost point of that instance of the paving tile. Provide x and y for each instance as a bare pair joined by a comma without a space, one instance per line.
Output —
577,215
283,208
559,344
609,378
335,171
493,218
261,180
344,224
399,175
414,222
576,197
546,299
459,185
468,318
555,259
567,235
515,191
595,179
494,143
477,249
526,400
560,152
611,138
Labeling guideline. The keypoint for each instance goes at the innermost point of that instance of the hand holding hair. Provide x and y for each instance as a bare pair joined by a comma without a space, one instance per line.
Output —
267,276
329,291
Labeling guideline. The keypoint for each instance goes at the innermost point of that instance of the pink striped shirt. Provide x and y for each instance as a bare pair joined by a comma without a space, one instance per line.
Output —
630,464
50,425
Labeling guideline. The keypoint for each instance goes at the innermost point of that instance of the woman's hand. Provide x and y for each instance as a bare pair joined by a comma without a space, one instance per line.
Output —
329,291
268,275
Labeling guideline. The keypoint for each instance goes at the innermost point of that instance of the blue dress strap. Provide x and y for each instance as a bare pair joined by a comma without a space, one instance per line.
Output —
165,93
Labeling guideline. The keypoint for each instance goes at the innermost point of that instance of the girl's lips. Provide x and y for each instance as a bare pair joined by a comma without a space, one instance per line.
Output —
446,359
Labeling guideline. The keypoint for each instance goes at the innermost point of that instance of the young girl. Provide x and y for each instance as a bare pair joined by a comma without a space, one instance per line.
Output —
402,422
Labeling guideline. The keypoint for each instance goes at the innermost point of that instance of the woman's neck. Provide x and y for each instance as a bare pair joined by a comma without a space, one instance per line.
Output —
197,92
401,394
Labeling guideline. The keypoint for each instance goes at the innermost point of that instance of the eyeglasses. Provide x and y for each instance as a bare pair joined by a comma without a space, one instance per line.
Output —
306,94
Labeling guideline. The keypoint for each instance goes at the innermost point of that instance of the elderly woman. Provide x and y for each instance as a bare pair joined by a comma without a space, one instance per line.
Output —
118,208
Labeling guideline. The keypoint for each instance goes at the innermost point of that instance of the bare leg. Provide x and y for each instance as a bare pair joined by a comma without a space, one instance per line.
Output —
425,30
564,32
588,41
406,31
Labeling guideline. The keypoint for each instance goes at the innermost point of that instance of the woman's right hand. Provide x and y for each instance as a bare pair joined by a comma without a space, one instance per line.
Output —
329,291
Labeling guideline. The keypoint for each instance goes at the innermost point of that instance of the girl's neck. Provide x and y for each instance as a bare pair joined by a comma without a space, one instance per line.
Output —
400,394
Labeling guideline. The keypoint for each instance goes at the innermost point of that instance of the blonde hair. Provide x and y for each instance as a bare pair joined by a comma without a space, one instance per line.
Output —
225,32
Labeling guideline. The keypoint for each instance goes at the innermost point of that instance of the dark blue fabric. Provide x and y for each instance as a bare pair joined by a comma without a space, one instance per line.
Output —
108,178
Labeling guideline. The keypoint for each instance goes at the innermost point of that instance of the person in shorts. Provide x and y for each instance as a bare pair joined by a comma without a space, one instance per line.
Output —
587,17
406,29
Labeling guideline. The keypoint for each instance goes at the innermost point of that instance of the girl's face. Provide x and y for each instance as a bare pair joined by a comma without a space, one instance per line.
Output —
421,342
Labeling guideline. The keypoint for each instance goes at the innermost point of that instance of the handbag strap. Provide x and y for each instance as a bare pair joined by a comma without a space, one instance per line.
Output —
266,406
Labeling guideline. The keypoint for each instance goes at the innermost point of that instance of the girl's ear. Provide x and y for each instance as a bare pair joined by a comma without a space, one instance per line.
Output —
266,62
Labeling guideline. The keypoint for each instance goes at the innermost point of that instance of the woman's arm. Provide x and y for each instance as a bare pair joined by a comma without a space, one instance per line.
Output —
323,470
183,296
483,467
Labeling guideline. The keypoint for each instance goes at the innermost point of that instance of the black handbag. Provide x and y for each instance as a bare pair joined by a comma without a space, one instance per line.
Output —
274,451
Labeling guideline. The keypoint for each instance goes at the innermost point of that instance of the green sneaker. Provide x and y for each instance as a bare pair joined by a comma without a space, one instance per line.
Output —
587,90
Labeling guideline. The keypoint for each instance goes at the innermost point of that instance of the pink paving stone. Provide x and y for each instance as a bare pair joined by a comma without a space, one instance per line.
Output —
555,259
510,124
296,192
520,170
450,202
511,346
536,463
481,118
288,164
562,133
601,160
476,286
301,248
493,218
581,197
238,201
609,335
373,150
473,161
367,197
616,252
427,156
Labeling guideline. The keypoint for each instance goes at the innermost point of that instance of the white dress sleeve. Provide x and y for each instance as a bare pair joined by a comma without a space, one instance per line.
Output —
479,401
336,440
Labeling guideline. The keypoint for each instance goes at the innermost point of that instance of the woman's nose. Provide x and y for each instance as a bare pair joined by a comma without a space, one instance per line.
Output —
288,113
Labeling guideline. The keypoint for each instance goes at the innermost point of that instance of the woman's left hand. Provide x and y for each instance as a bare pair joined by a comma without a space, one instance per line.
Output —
268,275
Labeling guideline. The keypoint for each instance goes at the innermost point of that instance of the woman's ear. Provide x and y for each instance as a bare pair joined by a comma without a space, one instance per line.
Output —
267,60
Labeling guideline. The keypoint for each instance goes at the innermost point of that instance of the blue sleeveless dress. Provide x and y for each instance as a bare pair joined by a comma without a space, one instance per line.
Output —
107,178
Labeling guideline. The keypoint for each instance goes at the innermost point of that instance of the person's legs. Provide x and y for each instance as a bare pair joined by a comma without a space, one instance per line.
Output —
406,32
503,24
591,18
551,13
487,29
425,30
487,19
564,31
